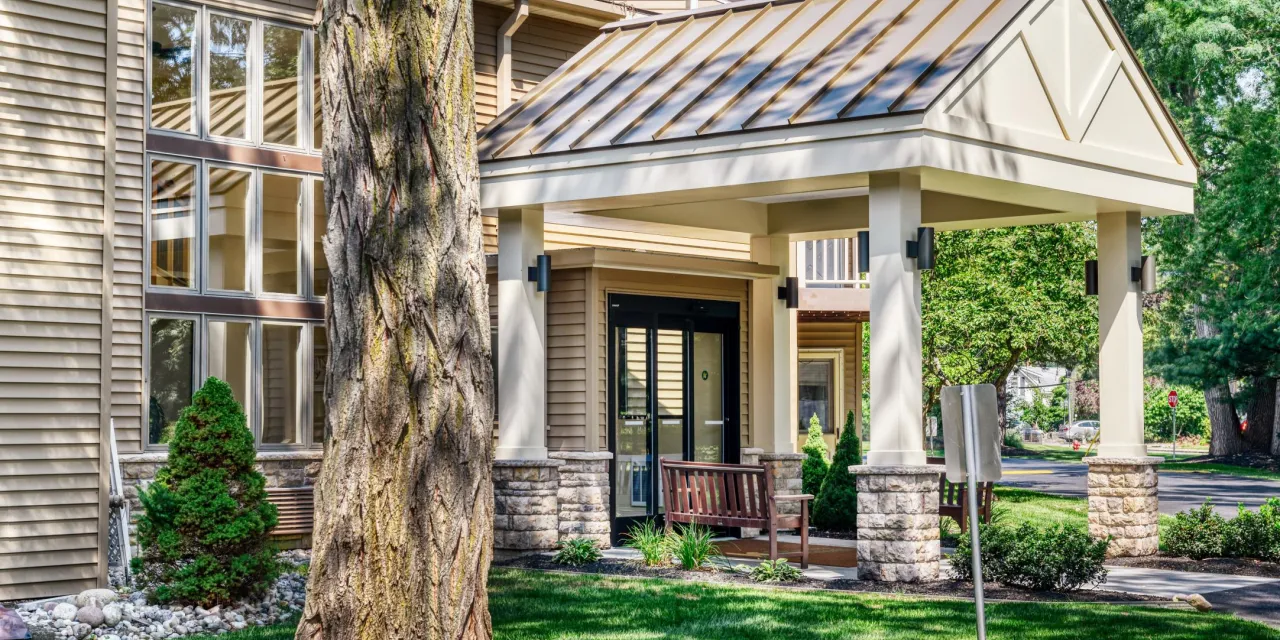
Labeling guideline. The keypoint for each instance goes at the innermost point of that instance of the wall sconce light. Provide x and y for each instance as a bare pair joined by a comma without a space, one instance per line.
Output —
1145,275
541,273
922,248
790,292
864,252
1091,277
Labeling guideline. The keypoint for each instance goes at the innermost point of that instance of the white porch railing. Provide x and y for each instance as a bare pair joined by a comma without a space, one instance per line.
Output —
831,263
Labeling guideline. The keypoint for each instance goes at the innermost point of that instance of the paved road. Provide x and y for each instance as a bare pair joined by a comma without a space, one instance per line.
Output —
1179,491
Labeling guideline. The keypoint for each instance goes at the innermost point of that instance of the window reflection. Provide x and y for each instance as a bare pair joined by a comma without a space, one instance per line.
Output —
173,79
281,402
229,355
228,76
281,199
228,221
281,84
173,224
173,375
319,224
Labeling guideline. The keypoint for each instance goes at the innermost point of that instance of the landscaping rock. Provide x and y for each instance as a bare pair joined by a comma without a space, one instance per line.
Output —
112,614
91,614
64,611
103,596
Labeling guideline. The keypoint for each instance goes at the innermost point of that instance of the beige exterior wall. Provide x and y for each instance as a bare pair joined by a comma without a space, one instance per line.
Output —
846,336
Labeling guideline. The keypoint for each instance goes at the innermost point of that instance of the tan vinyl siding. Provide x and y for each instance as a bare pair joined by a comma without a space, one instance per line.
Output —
487,20
127,333
669,285
563,236
838,335
53,137
302,11
567,361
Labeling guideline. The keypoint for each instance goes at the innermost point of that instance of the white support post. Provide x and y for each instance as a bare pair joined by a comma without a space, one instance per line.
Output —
774,350
897,387
522,339
512,24
1120,336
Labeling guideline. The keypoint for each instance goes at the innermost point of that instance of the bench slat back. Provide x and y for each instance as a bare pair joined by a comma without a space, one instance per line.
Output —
715,494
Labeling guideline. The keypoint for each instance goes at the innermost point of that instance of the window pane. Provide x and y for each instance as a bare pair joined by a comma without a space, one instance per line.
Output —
229,229
229,357
173,76
228,76
281,84
280,207
173,224
817,393
320,366
173,375
317,123
281,402
319,224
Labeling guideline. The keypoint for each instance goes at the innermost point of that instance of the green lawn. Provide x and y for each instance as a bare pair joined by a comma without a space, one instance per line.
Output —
1015,506
530,605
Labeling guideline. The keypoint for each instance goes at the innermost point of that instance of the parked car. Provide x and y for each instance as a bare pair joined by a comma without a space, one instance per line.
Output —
1081,430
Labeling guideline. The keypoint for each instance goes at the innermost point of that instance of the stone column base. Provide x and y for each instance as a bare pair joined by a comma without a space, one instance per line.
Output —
584,495
750,455
1123,504
898,535
525,504
787,471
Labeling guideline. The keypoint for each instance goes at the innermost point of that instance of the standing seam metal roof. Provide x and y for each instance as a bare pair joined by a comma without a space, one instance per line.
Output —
749,66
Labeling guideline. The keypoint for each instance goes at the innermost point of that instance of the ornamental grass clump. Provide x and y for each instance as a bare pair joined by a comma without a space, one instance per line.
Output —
205,518
651,541
815,466
836,505
692,546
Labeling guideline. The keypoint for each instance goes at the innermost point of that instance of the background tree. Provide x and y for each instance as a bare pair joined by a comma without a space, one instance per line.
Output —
1000,297
404,504
1216,64
205,519
1045,411
836,505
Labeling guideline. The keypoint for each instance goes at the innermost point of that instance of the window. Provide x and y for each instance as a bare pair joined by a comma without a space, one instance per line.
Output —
173,67
319,226
275,369
227,77
821,388
173,224
230,204
281,253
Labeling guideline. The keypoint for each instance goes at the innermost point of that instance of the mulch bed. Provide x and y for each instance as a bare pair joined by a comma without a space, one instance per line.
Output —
1017,452
1229,566
942,589
819,554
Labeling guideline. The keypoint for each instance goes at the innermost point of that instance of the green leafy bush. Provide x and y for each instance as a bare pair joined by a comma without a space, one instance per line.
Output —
651,541
775,571
1255,534
815,464
205,519
576,552
1012,440
692,547
836,505
1056,558
1196,533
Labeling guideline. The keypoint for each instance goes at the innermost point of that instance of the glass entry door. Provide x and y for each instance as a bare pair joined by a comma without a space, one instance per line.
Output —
673,381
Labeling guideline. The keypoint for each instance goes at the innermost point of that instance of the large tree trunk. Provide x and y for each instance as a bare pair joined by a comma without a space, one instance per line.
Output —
404,504
1262,409
1224,423
1275,426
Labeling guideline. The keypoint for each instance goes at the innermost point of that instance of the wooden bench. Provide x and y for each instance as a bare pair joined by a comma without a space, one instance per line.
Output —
296,506
731,495
953,503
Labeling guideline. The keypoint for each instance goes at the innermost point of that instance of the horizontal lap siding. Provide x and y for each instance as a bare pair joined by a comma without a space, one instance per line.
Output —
563,236
131,189
567,361
669,285
52,164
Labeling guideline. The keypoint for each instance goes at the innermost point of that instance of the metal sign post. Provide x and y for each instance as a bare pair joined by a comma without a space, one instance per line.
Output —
970,428
1173,404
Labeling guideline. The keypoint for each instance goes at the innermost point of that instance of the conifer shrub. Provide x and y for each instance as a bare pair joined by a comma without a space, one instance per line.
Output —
205,518
815,465
836,507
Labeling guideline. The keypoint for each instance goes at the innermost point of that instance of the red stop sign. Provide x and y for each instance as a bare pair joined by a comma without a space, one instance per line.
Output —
1173,398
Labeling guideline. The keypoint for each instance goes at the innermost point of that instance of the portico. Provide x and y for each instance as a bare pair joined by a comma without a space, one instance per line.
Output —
780,121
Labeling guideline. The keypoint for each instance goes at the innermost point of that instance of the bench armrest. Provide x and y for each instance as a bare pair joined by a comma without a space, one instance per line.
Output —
794,498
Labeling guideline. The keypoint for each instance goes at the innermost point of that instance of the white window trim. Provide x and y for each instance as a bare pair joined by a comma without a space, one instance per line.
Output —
836,357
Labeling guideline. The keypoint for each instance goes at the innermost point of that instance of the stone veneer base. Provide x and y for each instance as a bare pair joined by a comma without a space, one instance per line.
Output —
583,495
898,535
526,504
1124,504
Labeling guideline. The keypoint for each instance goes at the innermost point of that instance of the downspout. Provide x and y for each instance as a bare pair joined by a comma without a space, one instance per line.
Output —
508,29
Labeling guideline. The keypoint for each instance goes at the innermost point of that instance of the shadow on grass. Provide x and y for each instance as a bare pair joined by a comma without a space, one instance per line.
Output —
530,605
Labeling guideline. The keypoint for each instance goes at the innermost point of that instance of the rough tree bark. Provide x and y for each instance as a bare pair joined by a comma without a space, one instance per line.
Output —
1261,414
1224,424
404,504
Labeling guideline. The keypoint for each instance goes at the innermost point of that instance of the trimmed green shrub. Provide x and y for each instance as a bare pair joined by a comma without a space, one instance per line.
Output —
1056,558
815,464
1196,533
651,541
775,571
692,546
1255,534
576,552
205,518
836,505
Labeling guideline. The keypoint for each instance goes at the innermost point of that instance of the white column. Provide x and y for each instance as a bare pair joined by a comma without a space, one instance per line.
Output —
897,387
774,350
1120,336
522,339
